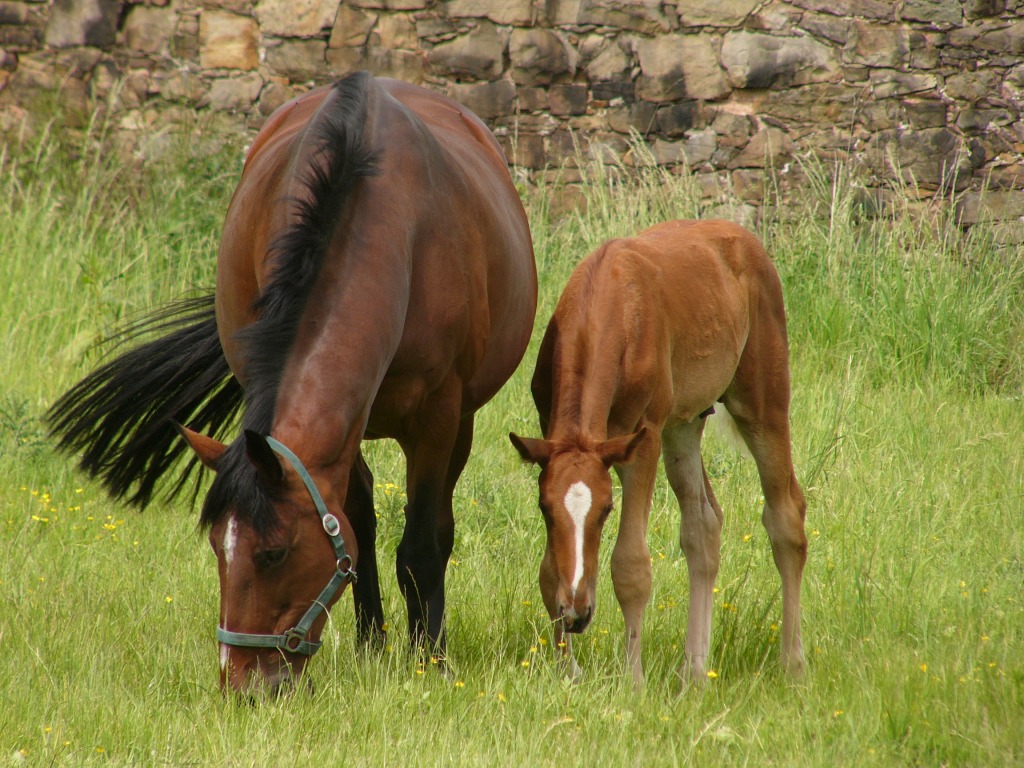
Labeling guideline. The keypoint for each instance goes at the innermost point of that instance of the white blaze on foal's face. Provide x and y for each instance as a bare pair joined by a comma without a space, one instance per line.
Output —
578,500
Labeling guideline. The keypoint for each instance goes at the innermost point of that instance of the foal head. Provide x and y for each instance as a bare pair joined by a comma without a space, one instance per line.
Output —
275,556
575,500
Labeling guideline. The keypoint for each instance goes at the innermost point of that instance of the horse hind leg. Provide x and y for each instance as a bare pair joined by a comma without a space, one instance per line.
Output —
700,536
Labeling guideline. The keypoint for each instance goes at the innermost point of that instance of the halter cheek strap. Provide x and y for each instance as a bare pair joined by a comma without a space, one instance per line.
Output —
294,640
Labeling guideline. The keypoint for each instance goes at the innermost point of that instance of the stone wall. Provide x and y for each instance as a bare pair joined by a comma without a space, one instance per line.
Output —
924,91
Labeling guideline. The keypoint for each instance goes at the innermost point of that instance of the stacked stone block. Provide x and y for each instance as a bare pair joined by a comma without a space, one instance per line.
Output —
924,92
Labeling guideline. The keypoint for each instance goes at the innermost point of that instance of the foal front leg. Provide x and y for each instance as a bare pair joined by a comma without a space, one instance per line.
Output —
700,536
563,640
631,558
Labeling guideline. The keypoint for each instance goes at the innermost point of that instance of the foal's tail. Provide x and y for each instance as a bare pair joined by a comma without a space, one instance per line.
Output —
121,416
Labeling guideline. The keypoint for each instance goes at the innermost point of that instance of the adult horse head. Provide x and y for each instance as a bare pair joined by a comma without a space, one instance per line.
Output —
650,332
375,279
273,563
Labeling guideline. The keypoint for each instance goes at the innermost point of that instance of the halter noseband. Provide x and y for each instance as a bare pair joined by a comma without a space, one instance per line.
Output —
294,639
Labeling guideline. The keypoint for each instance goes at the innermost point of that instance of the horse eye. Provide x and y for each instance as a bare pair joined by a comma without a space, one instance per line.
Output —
268,558
606,511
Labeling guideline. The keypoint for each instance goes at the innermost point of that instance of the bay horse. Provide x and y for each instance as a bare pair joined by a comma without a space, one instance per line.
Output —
375,279
650,332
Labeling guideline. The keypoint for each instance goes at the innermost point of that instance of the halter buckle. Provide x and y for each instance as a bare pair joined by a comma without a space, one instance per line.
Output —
331,525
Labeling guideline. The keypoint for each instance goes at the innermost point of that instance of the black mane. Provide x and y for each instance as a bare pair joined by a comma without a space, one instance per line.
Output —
338,158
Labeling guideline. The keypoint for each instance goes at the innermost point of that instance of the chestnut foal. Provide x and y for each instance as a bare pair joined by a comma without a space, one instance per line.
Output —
649,334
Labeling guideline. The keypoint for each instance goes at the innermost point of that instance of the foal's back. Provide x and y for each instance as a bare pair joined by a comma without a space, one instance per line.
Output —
671,309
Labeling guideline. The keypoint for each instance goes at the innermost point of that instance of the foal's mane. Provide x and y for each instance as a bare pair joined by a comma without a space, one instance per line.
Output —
336,156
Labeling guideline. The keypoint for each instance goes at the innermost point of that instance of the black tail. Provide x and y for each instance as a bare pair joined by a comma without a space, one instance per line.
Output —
121,416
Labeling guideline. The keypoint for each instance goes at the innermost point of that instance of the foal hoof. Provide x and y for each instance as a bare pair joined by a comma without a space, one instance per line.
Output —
693,674
572,671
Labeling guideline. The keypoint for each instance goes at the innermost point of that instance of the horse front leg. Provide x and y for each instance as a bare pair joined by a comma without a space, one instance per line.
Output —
434,462
366,589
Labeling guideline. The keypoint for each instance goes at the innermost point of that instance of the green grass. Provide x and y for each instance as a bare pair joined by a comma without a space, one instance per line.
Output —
907,416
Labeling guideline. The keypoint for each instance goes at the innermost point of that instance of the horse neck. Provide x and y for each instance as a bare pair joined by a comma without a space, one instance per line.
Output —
336,365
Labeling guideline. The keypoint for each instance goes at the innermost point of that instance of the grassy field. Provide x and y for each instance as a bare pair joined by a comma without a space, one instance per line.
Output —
908,359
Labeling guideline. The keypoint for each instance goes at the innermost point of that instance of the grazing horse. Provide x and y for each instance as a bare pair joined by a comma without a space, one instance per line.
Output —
650,332
375,279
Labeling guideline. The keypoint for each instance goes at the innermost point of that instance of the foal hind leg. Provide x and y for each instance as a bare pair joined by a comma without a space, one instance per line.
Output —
700,536
763,422
366,589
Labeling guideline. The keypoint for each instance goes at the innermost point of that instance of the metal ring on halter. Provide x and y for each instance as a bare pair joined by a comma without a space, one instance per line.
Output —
346,570
295,635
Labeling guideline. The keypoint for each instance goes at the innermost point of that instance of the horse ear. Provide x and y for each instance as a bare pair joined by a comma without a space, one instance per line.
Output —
263,458
534,450
619,450
206,448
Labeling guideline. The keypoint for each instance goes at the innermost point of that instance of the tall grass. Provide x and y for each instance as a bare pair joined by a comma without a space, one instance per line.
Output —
908,371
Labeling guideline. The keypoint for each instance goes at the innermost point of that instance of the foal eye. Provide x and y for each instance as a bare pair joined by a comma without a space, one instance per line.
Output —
268,558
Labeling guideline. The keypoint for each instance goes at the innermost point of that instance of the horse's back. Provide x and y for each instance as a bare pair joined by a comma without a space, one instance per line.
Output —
442,218
485,236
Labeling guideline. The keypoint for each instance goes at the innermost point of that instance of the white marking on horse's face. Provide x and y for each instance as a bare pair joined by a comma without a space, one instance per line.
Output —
578,500
230,541
229,545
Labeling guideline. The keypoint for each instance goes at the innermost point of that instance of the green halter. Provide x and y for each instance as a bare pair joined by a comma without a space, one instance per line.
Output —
294,640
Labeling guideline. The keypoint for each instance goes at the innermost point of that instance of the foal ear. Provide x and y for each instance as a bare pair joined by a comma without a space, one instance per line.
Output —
262,456
206,448
534,450
619,450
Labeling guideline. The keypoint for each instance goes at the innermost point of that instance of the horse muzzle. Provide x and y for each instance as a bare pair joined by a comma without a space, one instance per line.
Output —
260,678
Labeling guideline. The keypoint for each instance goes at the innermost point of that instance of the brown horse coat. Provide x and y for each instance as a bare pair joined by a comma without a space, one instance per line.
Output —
375,279
422,310
650,332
